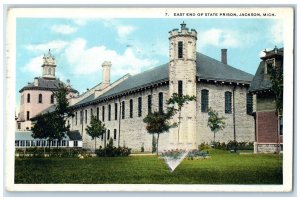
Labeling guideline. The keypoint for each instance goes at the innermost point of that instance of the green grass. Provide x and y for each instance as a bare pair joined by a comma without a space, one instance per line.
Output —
221,168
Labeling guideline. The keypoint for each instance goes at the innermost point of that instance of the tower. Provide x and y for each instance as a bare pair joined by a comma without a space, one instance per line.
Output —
106,66
49,66
182,80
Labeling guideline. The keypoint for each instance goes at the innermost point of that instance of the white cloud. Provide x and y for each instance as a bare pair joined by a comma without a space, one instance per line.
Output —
56,45
34,66
124,31
80,22
276,33
63,29
88,61
219,38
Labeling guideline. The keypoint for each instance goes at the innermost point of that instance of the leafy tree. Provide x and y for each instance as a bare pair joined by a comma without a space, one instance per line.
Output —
159,122
180,101
96,129
215,122
52,125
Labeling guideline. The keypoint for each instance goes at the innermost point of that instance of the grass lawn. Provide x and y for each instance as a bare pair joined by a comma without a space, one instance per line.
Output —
222,168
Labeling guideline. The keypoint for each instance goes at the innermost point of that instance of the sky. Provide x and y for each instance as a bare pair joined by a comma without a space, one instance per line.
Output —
133,45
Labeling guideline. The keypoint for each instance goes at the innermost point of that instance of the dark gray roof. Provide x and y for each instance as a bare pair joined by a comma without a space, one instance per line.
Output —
48,109
260,81
207,68
27,135
46,84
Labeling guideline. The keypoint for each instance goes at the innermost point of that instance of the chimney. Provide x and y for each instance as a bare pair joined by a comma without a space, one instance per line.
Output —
106,65
36,82
224,56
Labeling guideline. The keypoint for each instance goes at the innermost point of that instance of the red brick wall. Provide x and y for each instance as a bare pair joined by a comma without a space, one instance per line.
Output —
266,125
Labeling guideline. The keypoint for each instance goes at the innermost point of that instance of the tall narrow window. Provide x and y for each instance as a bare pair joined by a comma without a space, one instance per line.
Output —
116,111
123,109
109,112
91,112
85,116
180,49
40,98
249,103
81,117
103,113
160,102
28,98
281,126
204,100
228,103
75,118
140,106
149,104
115,134
108,134
28,115
52,99
97,113
131,108
180,87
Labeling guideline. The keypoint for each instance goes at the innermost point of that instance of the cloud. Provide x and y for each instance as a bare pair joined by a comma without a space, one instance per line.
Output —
123,31
88,61
34,66
276,33
219,38
63,29
56,45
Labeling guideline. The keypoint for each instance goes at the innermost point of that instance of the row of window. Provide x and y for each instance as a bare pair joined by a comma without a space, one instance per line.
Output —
83,114
228,102
108,135
43,143
40,98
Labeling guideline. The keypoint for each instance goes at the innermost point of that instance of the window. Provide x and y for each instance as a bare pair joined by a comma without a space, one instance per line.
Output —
63,143
249,103
75,118
116,111
160,102
33,144
81,117
38,143
40,98
101,137
75,143
149,104
19,125
91,112
204,100
140,106
28,115
270,64
85,116
52,99
228,102
180,49
109,112
108,134
123,109
180,87
131,108
97,113
103,113
28,98
115,134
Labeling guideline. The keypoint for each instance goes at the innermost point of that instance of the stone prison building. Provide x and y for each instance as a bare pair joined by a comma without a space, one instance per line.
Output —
122,105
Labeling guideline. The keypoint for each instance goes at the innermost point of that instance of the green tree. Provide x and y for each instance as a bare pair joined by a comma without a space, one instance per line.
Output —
96,129
215,122
179,101
158,123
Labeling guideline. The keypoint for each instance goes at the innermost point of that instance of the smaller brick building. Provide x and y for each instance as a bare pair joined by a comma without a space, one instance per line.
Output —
268,132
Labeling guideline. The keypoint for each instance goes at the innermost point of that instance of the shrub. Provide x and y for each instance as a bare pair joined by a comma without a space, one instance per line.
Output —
203,146
233,145
111,151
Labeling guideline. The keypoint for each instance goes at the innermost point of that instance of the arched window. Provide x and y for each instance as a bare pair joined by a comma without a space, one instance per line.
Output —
52,99
180,49
228,102
204,100
40,98
27,115
28,98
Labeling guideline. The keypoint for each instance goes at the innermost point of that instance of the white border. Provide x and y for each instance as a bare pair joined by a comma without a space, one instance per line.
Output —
285,14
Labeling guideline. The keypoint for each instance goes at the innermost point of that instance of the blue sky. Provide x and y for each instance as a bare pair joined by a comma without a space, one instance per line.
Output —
132,45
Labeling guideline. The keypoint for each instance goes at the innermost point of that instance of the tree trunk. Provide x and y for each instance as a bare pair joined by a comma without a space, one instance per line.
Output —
214,137
157,144
95,145
179,120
